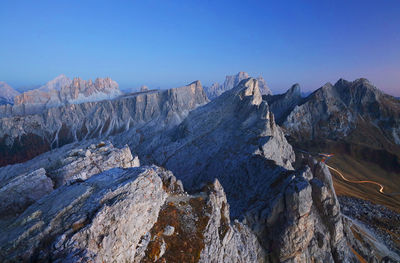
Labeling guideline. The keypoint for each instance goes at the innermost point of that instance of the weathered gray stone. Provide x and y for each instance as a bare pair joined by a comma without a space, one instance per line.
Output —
113,217
23,190
80,164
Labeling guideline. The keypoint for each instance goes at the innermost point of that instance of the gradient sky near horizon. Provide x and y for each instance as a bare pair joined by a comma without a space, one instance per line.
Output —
171,43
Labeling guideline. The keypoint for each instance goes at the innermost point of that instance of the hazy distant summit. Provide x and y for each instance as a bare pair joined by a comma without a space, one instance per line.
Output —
56,83
232,81
7,93
62,91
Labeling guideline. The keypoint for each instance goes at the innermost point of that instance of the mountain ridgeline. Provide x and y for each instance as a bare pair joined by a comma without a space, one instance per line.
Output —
24,137
252,197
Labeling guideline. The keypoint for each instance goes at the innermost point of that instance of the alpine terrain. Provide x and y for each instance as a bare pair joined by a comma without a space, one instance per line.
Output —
228,173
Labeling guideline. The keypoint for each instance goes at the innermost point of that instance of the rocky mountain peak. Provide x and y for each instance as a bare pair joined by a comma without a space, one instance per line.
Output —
281,105
7,93
263,86
232,81
295,89
144,88
56,84
251,90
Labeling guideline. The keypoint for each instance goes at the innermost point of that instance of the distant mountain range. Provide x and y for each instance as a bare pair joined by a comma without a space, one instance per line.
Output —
60,91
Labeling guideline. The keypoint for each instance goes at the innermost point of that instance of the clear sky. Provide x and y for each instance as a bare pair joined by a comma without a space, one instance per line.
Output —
171,43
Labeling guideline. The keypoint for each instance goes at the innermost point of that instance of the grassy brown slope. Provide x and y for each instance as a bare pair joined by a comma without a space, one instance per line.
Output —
360,170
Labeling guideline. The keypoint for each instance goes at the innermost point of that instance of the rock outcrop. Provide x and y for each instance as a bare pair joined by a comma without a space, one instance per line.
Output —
80,164
7,94
20,191
22,185
133,215
232,81
24,137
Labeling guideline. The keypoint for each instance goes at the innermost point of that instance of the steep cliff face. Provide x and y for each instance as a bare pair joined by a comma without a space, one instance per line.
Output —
7,94
283,104
23,137
232,81
134,215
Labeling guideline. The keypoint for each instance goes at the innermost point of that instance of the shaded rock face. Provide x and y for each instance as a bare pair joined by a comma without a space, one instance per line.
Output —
20,188
122,216
232,81
62,91
7,94
55,127
282,105
23,190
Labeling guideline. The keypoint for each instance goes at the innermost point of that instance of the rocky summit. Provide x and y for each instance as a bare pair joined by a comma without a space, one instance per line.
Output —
7,94
232,81
169,176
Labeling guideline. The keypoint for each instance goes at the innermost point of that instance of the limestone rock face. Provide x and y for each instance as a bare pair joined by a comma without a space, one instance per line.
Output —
123,215
80,164
101,219
232,81
23,190
7,94
225,242
264,89
23,137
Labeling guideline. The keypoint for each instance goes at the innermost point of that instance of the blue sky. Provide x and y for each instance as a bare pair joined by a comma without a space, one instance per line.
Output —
171,43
